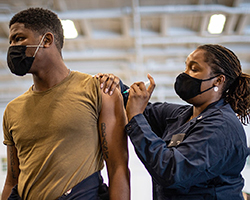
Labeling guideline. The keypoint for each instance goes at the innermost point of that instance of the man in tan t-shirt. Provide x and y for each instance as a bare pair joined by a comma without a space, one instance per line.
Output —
58,132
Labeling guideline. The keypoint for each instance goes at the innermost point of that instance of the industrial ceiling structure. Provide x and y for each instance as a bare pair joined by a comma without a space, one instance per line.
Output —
131,38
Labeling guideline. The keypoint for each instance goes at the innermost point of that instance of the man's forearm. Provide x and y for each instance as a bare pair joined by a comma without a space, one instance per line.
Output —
6,192
119,184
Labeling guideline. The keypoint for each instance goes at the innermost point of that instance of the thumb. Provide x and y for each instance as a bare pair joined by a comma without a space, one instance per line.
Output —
151,87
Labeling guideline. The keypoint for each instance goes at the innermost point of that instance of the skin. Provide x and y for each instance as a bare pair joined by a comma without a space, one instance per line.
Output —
139,97
195,67
109,82
114,146
48,73
198,68
12,171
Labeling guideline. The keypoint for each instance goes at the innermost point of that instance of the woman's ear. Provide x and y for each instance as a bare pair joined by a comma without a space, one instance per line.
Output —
220,80
48,39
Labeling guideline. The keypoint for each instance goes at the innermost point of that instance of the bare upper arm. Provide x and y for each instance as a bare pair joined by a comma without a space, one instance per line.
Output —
112,121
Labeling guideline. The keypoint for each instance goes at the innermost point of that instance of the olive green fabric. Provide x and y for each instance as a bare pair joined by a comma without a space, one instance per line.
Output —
56,136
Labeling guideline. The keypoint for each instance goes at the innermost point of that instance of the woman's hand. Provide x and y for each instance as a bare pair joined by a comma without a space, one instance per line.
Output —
108,82
139,97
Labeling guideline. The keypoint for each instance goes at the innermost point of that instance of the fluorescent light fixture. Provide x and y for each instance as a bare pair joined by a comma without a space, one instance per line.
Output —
69,29
216,24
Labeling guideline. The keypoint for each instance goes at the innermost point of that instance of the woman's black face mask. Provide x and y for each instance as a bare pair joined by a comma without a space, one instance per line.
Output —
17,60
188,87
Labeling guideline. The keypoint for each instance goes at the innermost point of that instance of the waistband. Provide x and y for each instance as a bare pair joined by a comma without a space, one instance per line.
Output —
86,189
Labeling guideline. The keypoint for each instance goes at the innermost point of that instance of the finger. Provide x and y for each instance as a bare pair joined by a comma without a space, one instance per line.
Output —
142,86
108,83
98,75
114,85
103,80
137,87
132,90
151,87
117,82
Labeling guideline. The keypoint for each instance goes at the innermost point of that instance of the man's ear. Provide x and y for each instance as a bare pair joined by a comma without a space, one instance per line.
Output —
48,39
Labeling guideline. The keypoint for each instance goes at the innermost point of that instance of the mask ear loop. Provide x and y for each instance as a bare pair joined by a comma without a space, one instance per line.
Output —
212,86
38,45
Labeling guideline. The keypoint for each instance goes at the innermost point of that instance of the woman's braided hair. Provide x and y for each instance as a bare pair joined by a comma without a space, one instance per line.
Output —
237,84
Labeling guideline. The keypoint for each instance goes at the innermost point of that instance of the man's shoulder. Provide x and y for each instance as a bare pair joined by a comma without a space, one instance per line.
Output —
20,98
16,103
83,77
78,74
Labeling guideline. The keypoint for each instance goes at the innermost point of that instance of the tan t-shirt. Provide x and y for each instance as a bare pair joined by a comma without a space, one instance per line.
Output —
56,136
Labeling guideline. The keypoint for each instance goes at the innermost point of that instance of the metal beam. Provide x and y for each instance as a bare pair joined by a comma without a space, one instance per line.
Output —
60,5
86,28
118,13
236,3
195,40
230,24
242,24
5,28
138,38
204,24
164,25
125,28
176,9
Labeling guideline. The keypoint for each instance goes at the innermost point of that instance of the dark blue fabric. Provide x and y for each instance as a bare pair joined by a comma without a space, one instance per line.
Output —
14,194
91,188
206,165
88,189
123,89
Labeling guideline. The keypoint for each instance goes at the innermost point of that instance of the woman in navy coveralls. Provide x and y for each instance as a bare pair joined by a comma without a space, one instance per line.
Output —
195,151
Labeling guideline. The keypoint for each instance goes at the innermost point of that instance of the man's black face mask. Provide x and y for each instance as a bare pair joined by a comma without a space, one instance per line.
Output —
17,60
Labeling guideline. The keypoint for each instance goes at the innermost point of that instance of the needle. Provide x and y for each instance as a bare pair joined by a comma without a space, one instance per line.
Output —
146,83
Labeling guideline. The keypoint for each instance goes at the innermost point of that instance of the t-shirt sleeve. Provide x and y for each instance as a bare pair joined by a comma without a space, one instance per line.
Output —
97,96
8,140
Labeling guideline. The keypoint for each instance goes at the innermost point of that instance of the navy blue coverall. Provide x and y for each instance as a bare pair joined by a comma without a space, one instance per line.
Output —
199,159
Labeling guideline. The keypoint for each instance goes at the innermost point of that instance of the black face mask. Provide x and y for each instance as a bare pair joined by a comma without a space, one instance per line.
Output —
17,60
188,87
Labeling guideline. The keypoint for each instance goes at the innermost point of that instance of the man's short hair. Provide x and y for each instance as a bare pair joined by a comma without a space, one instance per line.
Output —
42,21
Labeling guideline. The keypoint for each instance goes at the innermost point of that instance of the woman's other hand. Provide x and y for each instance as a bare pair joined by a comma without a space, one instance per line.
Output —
139,97
108,82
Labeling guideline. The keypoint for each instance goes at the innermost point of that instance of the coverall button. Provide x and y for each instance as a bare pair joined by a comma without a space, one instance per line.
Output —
68,192
128,128
200,117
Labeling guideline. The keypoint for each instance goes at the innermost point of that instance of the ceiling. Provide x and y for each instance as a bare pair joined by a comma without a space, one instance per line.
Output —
132,38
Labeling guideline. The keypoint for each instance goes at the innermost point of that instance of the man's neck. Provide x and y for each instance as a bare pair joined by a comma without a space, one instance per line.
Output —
45,80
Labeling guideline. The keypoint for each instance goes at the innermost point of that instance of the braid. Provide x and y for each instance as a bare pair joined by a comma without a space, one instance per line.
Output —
239,97
236,90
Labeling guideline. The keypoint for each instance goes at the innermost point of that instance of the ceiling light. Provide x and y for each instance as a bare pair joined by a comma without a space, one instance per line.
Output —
69,29
216,24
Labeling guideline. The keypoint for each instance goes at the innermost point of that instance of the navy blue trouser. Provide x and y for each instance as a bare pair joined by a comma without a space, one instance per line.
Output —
91,188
